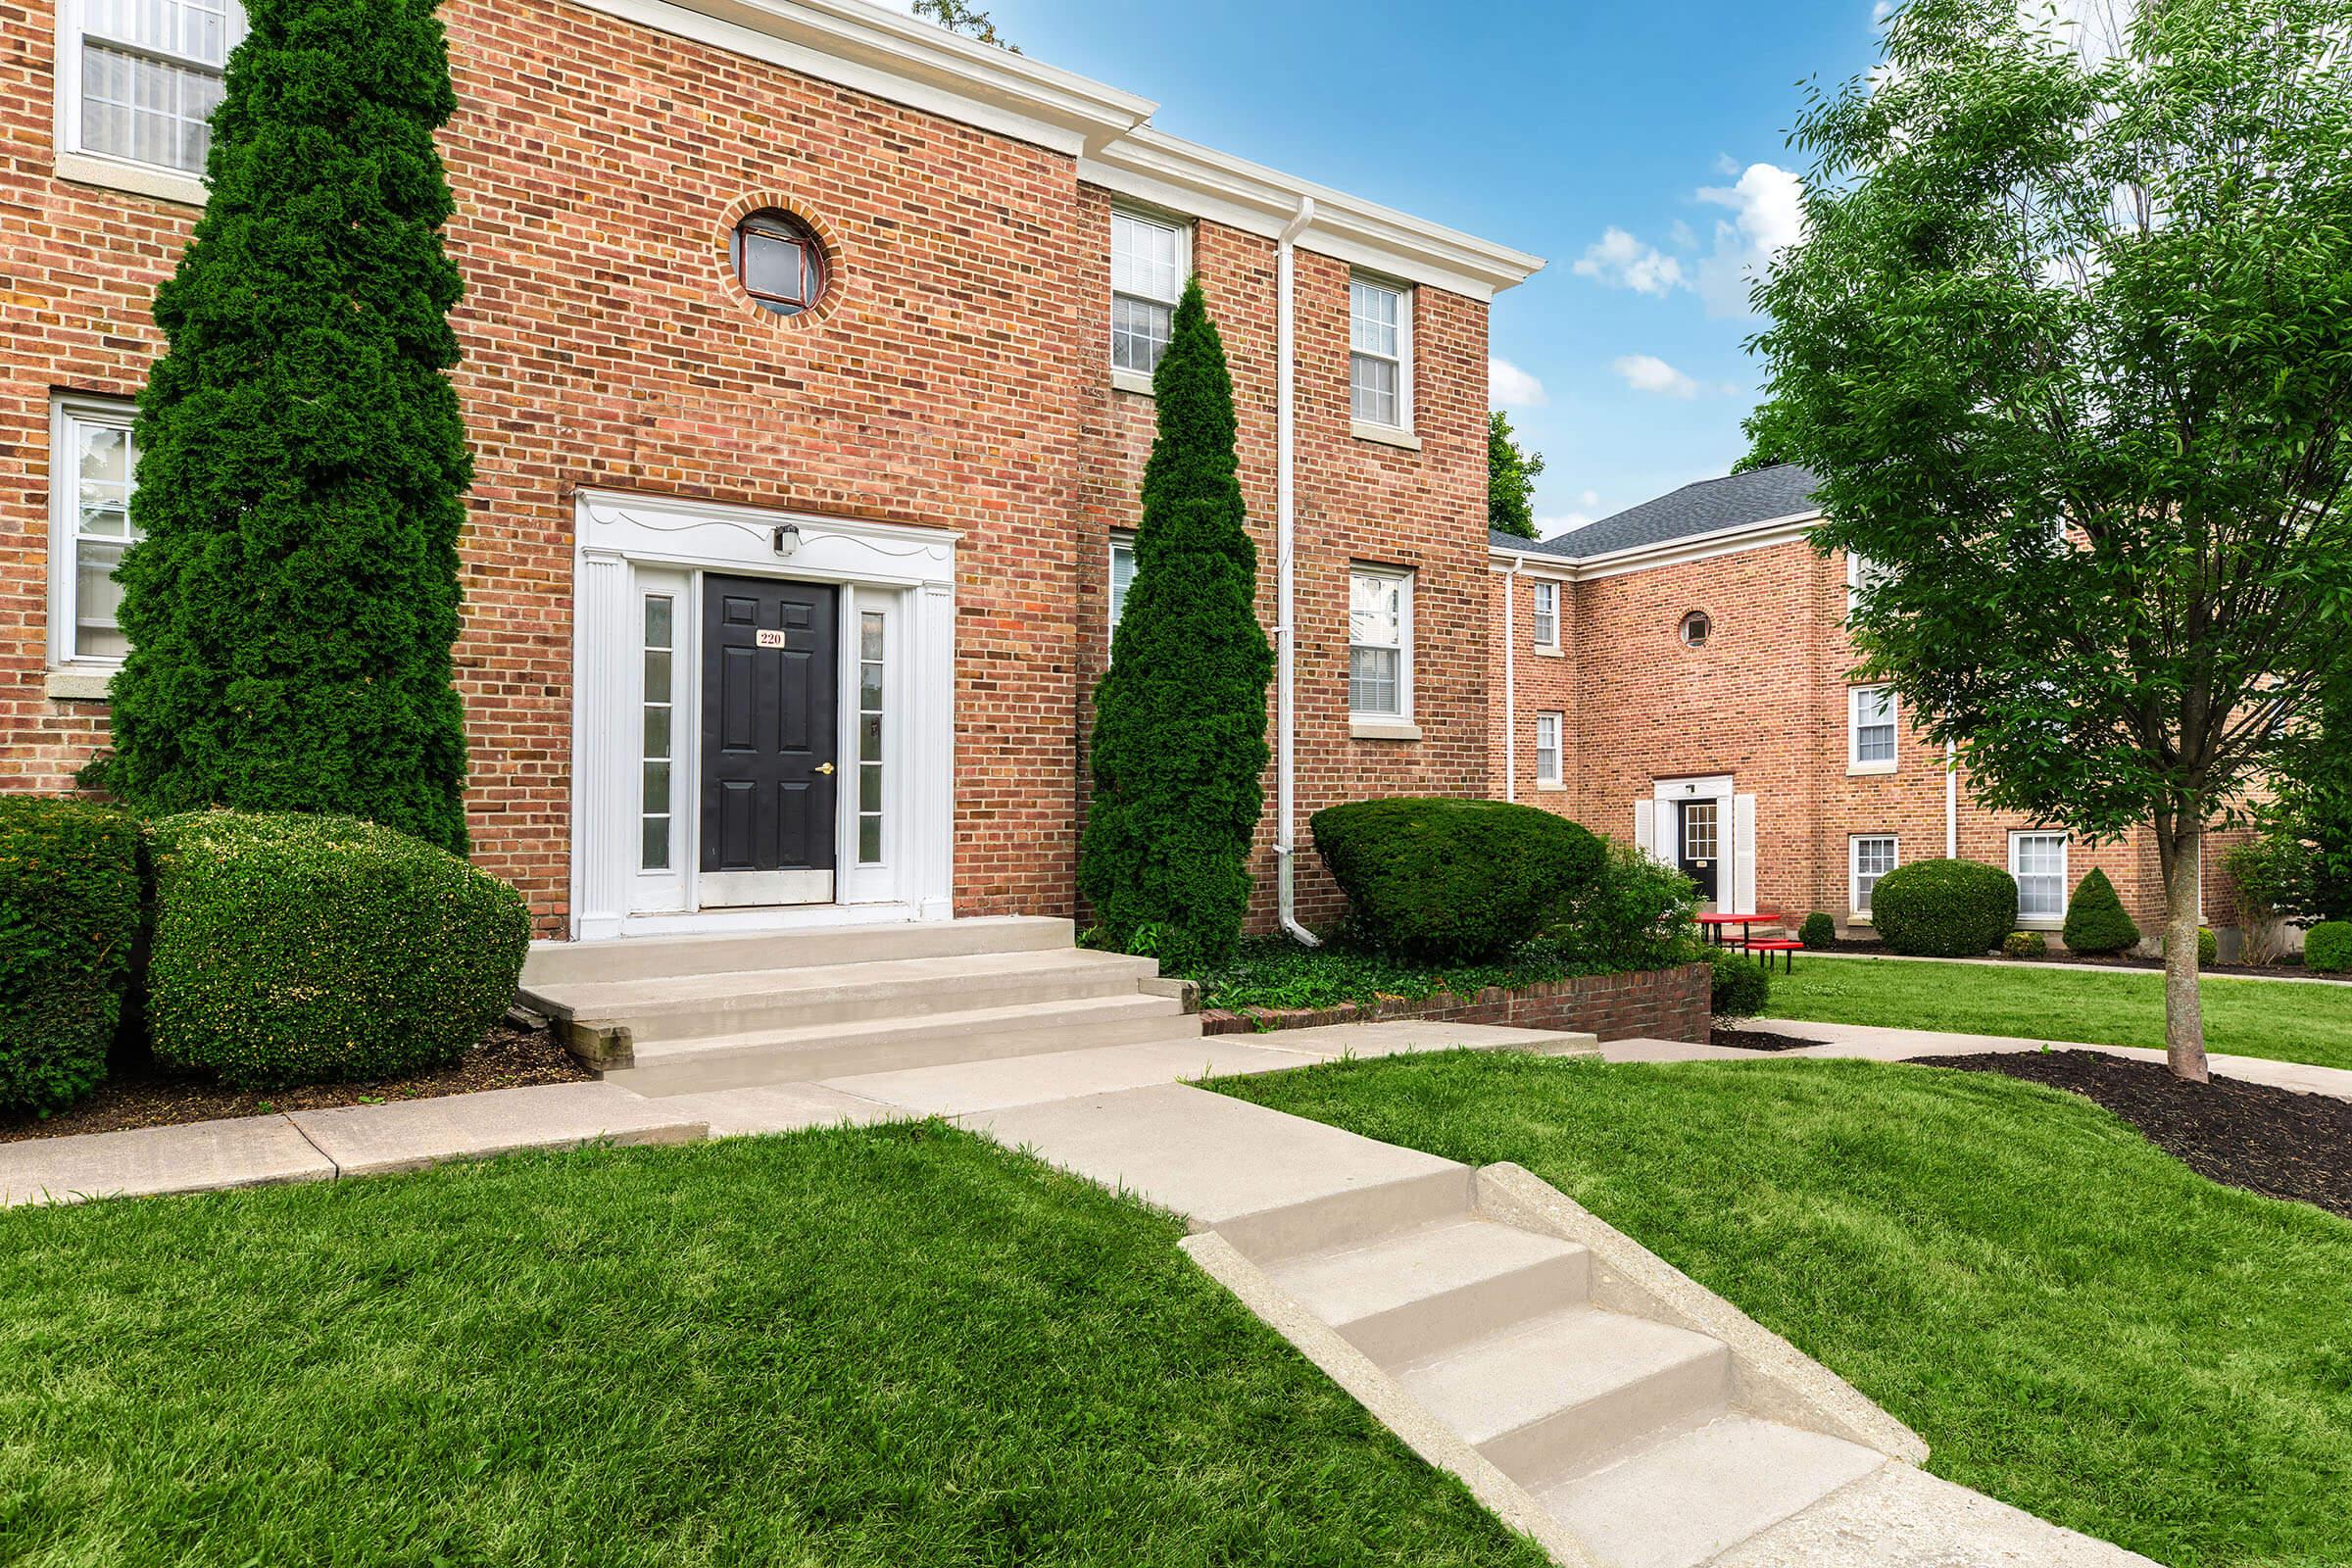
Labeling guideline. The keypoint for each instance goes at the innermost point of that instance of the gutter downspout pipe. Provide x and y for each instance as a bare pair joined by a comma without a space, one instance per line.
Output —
1285,635
1510,678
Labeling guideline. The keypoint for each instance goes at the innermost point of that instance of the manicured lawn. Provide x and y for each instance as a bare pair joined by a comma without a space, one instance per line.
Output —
892,1347
2308,1023
2074,1321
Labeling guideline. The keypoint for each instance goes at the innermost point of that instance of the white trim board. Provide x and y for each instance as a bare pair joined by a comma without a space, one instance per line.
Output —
628,544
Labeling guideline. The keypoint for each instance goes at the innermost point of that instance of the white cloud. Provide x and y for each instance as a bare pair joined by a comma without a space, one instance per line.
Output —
1882,11
1768,216
1646,372
1510,387
1623,261
1588,500
1554,528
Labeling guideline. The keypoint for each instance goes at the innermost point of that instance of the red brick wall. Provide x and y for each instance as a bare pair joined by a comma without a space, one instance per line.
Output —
1766,702
1650,1005
959,379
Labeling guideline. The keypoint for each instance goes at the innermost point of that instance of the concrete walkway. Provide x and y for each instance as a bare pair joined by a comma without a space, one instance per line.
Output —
1876,1043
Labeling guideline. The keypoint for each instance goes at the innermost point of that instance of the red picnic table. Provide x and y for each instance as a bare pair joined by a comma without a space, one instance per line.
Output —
1716,920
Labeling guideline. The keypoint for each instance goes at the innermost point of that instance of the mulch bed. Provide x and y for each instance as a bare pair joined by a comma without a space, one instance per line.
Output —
509,1058
2285,970
1757,1039
2266,1139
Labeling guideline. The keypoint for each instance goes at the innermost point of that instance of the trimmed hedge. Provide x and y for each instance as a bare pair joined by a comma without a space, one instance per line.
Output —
2025,945
1449,881
2096,920
69,922
1944,909
2328,947
294,949
1742,987
1820,931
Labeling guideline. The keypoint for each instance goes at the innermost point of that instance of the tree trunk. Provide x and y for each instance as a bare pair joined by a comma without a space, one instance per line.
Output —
2183,1002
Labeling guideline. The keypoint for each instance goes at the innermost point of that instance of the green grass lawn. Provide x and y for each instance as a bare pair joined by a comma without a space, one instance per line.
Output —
2076,1322
892,1347
2308,1023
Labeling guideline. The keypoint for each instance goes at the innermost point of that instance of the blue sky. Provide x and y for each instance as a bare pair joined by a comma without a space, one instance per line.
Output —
1546,125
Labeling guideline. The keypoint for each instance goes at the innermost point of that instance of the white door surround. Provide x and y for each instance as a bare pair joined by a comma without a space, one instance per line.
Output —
894,860
1654,830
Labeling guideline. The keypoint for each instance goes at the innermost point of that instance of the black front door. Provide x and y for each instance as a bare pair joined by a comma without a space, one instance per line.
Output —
770,702
1697,835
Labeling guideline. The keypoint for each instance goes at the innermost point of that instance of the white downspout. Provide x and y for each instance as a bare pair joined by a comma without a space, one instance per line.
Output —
1951,800
1285,491
1510,679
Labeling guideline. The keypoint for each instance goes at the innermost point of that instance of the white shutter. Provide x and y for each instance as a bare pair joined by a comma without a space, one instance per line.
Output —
1743,854
1645,819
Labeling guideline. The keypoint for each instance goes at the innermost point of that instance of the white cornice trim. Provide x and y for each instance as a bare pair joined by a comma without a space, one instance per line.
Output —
1671,553
893,56
1151,166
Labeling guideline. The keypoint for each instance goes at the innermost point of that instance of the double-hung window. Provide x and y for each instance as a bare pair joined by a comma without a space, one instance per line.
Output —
1546,602
93,468
1123,577
1379,362
1548,748
139,80
2039,862
1874,855
1871,730
1862,574
1149,260
1380,643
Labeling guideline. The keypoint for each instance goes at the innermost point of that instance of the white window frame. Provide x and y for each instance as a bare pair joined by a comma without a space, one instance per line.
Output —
1860,570
1122,542
1854,697
1368,724
1405,352
2043,922
75,161
1550,769
1543,607
1855,898
67,415
1124,376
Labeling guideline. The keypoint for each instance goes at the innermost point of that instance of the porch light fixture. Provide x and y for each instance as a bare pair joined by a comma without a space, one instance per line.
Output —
788,540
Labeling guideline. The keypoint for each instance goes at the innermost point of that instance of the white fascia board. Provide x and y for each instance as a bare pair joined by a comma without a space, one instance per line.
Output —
1674,552
1168,171
894,57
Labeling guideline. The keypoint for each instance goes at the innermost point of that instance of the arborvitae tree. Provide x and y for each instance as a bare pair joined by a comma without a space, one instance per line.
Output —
2096,921
1510,479
303,461
1180,719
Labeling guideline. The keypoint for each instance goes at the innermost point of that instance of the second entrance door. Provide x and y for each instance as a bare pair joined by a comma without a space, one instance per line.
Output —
772,696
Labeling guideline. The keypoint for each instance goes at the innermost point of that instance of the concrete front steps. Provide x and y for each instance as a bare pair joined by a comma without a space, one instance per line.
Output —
1629,1430
682,1015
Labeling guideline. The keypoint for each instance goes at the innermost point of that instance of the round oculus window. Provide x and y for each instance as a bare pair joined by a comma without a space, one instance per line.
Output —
779,262
1696,628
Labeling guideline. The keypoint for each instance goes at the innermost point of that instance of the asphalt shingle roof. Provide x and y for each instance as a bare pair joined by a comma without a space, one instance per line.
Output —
1762,494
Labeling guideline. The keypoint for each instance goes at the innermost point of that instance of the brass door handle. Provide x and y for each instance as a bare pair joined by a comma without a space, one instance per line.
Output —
824,767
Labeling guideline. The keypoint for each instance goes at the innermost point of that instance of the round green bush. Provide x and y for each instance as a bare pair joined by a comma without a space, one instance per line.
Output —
1818,932
2209,947
1449,881
69,922
1944,909
2096,920
2025,945
2328,947
292,950
1742,987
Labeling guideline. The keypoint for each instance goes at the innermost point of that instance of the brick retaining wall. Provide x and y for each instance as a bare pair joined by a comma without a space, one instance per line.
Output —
1647,1005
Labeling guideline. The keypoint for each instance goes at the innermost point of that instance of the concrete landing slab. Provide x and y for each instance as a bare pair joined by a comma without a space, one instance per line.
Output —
200,1157
956,1088
774,1108
1906,1518
1399,1037
1208,1157
379,1139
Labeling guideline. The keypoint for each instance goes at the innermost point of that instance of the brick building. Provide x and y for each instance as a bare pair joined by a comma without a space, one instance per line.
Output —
1679,675
806,353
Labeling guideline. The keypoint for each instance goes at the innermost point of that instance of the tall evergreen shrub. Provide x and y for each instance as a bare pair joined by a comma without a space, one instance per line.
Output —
304,464
1180,718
